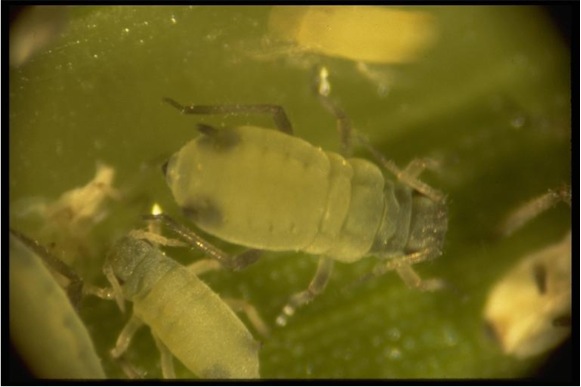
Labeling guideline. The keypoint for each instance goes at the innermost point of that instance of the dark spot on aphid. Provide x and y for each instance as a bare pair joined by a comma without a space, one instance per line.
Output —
218,139
562,321
164,168
203,211
540,276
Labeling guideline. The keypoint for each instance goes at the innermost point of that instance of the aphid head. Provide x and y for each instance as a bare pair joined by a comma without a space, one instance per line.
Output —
123,260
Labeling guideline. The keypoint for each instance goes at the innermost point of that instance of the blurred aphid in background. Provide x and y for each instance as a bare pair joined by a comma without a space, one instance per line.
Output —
368,34
373,38
45,328
529,308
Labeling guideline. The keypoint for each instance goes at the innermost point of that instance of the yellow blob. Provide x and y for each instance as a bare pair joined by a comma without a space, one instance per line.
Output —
370,34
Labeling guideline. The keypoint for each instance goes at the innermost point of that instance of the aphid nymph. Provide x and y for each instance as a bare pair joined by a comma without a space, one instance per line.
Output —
187,318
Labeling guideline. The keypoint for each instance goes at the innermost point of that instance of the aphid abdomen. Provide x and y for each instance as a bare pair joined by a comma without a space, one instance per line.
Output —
392,235
198,327
336,205
428,225
263,190
353,226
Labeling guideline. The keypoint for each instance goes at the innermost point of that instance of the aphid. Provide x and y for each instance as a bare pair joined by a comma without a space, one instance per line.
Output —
268,190
529,308
44,325
187,318
373,38
367,34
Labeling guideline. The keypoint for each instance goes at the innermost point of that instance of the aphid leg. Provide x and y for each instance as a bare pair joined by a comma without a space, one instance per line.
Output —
117,291
409,175
129,369
167,367
250,311
156,238
380,79
529,210
316,287
403,267
278,114
203,266
417,166
323,90
125,336
413,280
103,293
75,285
236,262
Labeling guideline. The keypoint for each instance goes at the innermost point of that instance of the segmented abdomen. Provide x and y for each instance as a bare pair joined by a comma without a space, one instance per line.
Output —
198,327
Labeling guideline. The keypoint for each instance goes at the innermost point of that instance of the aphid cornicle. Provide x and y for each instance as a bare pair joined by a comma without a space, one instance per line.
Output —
269,190
187,318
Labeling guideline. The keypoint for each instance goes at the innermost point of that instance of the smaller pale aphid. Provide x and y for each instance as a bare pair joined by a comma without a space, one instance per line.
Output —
44,326
187,318
529,308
